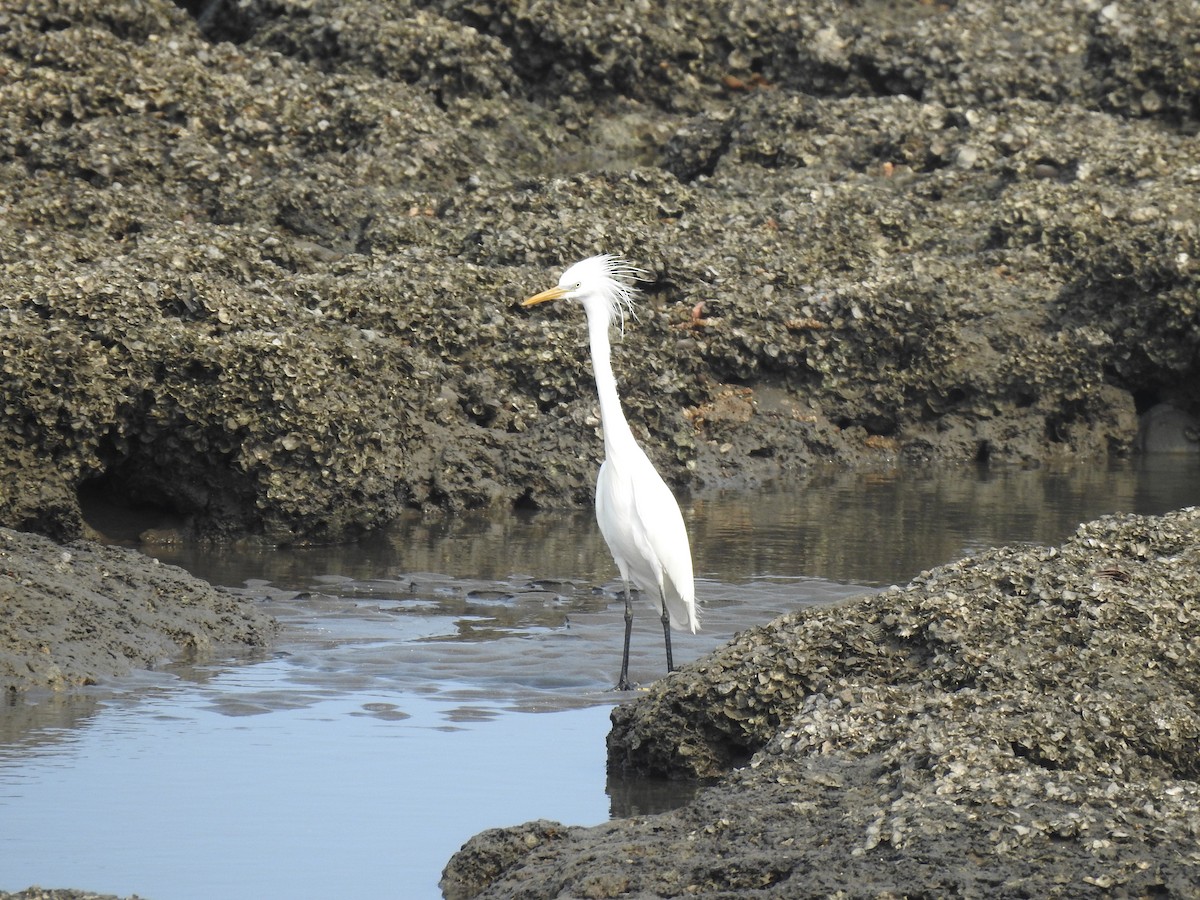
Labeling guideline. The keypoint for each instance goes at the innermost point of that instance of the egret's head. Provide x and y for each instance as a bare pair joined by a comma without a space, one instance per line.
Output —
600,283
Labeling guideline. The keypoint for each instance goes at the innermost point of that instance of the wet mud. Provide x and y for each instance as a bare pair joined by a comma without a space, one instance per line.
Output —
74,613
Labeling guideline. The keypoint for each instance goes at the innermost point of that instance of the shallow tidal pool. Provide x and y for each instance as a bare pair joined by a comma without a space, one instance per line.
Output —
453,675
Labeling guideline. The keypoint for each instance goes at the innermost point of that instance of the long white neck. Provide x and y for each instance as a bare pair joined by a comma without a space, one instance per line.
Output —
616,429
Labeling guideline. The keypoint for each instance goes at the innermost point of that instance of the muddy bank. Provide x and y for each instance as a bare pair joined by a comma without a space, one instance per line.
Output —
78,612
37,893
1023,723
260,260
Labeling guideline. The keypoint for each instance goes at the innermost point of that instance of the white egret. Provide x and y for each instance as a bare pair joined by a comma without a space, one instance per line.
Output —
635,509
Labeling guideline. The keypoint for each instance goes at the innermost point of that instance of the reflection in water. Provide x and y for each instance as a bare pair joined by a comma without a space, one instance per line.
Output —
635,796
882,528
451,675
868,528
171,795
42,717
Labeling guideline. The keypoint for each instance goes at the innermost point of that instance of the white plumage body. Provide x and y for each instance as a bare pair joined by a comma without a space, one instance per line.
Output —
635,509
650,545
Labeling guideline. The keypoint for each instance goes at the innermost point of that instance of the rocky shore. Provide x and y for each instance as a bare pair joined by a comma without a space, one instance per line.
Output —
260,269
261,261
78,612
1024,723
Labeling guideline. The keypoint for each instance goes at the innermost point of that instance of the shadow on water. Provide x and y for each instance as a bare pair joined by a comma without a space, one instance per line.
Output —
452,674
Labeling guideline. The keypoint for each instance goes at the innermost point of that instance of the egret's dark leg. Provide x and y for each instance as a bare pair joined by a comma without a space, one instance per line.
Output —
623,681
666,620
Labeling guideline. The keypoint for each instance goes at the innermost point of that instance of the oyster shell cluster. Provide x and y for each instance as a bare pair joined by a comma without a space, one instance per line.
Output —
261,266
1022,722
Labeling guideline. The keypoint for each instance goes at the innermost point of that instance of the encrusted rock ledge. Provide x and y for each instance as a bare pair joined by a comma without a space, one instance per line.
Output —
37,893
73,613
1022,723
260,266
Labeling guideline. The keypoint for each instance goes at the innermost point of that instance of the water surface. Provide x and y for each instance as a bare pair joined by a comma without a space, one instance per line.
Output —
452,675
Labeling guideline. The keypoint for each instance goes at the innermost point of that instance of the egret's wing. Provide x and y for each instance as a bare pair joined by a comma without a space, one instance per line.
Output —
609,516
663,531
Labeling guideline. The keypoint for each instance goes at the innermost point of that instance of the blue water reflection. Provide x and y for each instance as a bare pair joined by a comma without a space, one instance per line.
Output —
181,794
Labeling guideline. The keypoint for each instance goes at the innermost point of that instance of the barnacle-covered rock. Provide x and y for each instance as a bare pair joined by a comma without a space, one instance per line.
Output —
1023,722
262,264
1146,60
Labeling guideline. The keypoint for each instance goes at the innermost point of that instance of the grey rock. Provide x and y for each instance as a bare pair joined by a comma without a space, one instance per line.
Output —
1021,723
